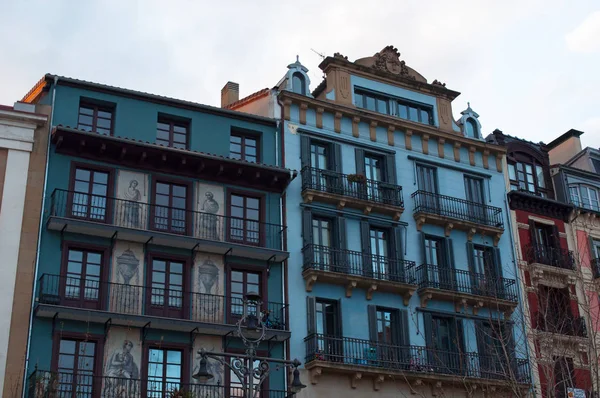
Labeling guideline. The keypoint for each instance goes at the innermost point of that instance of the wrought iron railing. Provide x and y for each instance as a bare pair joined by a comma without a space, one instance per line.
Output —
596,267
555,321
89,293
350,262
352,185
418,359
553,256
46,384
179,221
458,209
447,278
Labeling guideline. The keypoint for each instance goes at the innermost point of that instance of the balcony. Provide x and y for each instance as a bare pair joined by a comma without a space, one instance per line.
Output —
168,226
565,325
364,357
45,384
136,306
465,288
355,191
354,269
454,213
550,265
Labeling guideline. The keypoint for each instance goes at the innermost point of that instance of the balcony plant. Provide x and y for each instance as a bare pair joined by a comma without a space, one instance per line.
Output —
177,393
357,178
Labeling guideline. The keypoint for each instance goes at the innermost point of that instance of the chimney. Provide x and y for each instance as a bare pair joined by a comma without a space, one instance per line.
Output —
563,148
229,94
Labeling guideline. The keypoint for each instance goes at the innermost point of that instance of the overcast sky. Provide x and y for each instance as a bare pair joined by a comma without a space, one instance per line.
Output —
529,67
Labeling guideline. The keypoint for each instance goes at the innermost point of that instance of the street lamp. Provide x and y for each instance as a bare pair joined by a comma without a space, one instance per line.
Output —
250,375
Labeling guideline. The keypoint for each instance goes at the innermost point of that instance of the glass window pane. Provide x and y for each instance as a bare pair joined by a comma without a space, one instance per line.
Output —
370,103
382,106
86,120
512,174
235,139
358,100
162,188
424,116
105,115
402,111
82,175
237,200
86,111
539,171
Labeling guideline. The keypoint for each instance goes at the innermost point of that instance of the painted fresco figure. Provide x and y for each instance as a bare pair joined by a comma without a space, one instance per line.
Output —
209,221
121,377
132,206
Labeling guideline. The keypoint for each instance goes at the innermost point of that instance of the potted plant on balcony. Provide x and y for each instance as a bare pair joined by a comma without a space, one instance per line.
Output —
177,393
357,178
358,184
46,385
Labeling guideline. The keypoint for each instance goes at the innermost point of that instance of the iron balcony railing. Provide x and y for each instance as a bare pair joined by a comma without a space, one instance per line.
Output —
553,321
179,221
596,267
460,281
457,209
350,262
418,359
90,293
352,185
553,256
85,384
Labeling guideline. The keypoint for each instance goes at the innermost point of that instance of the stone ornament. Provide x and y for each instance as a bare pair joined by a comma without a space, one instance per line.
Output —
388,60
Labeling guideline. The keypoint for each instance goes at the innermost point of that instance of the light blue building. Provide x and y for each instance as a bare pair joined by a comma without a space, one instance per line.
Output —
401,268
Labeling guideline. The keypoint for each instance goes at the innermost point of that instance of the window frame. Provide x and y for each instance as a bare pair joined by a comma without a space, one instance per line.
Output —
580,198
392,105
167,257
110,186
395,323
261,216
185,361
525,159
189,204
173,121
97,106
245,268
302,81
244,135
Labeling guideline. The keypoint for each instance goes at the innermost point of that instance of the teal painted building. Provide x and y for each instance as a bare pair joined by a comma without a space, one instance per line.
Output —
159,216
402,267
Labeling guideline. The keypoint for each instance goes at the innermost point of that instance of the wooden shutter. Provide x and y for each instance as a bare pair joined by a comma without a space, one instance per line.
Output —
404,338
339,327
340,224
471,256
397,268
341,244
336,157
480,335
311,309
365,243
532,233
427,326
497,261
390,168
449,253
359,155
372,316
592,248
305,150
307,227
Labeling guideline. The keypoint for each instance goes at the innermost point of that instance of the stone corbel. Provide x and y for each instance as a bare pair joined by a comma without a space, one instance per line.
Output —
441,142
390,135
457,146
424,299
425,143
460,303
286,108
303,108
370,291
373,131
486,158
448,228
367,210
354,379
416,383
341,204
396,216
572,280
496,238
315,373
319,120
508,311
310,281
472,150
406,297
420,221
355,121
470,233
377,381
436,389
408,140
308,198
351,285
337,122
499,162
477,306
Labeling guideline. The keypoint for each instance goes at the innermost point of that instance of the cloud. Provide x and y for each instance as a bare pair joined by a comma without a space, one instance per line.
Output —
584,38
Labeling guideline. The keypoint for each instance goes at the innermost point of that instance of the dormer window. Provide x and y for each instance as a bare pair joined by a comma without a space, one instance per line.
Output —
471,129
380,103
298,83
527,176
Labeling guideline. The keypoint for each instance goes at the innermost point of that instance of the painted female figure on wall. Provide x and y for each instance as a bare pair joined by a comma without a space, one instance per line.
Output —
132,207
122,374
209,220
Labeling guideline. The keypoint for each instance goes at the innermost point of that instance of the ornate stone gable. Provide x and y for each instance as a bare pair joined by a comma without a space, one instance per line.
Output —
388,60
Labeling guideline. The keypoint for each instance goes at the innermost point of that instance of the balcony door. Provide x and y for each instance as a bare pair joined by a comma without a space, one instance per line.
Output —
81,280
545,244
322,238
485,279
427,183
328,325
321,163
170,207
241,282
385,330
165,372
89,199
166,294
76,364
244,221
379,246
440,273
476,199
374,172
444,338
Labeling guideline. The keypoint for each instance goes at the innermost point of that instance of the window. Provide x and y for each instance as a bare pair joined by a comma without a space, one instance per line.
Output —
420,113
90,191
325,329
584,196
166,288
322,239
426,178
244,212
596,164
564,376
164,372
439,262
471,128
244,147
444,337
527,176
379,246
81,281
242,282
172,133
319,154
95,118
298,83
387,324
75,368
170,207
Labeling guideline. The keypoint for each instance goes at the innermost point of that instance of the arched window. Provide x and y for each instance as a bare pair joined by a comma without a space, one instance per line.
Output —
298,83
471,128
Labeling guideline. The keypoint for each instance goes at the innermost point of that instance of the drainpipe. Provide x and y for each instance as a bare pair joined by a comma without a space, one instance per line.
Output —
40,228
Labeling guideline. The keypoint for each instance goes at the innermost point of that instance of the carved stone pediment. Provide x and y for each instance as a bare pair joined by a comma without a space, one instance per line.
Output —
388,60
